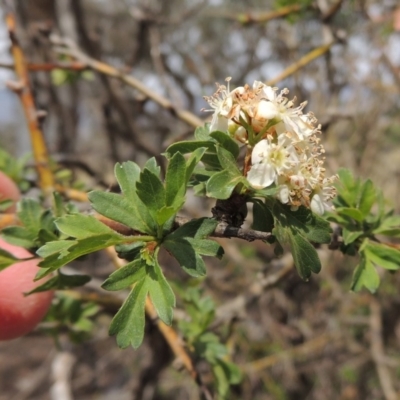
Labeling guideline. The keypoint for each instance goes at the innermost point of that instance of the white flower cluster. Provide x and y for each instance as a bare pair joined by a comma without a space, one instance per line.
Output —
285,149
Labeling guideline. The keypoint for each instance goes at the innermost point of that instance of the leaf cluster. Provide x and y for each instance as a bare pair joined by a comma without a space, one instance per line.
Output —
148,206
205,344
367,229
71,316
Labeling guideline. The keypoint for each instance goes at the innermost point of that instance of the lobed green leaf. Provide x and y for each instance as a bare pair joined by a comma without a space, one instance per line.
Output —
151,191
366,275
126,276
175,182
222,184
128,323
120,209
161,294
81,226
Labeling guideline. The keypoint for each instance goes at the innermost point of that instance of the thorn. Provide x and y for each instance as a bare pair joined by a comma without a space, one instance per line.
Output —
41,115
15,86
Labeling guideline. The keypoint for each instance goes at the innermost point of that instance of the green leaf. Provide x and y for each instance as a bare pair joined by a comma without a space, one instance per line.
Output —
29,214
164,214
222,381
365,275
193,160
202,133
186,255
120,209
6,259
161,294
206,247
151,191
59,247
175,182
351,236
228,161
367,197
4,204
226,142
311,226
61,282
19,236
126,276
262,217
269,191
211,161
127,175
82,226
152,166
196,228
188,147
304,255
78,249
129,251
346,178
352,213
390,226
128,323
58,205
347,189
222,184
381,254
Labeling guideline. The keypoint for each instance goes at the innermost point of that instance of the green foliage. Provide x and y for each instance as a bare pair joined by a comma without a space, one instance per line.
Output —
188,243
207,345
360,211
71,316
61,77
61,282
147,279
148,205
15,168
6,259
38,226
296,229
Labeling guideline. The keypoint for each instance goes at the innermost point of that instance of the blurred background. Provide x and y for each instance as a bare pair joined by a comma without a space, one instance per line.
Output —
293,339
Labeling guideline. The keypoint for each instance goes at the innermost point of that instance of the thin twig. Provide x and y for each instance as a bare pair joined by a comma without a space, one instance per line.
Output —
66,46
48,67
307,349
46,178
312,55
256,17
223,230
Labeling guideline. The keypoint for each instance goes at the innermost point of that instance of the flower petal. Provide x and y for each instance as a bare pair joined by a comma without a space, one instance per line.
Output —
259,151
261,175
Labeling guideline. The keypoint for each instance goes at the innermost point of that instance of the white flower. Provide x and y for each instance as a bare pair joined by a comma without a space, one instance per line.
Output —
269,160
322,194
222,103
277,107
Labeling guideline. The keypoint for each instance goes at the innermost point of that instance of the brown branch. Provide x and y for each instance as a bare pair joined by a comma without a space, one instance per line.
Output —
311,56
378,350
308,349
257,17
65,46
48,67
46,179
331,12
226,231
